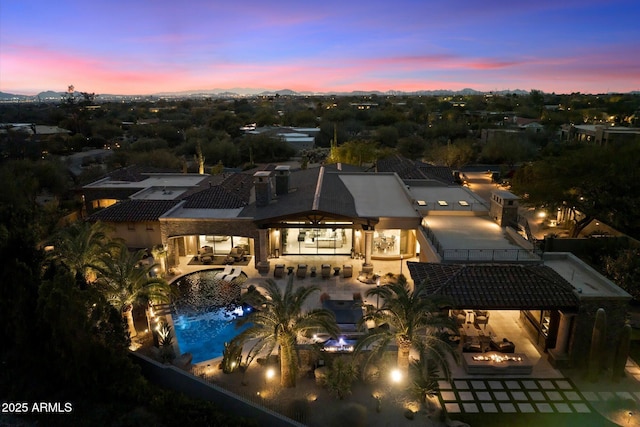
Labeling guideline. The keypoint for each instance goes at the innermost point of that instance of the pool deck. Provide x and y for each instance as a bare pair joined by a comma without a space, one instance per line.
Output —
545,390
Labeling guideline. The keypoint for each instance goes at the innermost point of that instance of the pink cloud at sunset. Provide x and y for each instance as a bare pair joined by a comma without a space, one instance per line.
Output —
329,47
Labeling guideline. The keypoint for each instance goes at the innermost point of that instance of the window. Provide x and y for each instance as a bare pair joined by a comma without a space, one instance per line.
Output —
463,203
442,203
149,227
422,203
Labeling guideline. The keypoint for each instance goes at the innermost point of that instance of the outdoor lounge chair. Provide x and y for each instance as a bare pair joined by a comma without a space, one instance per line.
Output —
302,271
235,273
347,271
460,316
326,271
227,270
471,345
236,254
205,250
504,346
278,271
481,318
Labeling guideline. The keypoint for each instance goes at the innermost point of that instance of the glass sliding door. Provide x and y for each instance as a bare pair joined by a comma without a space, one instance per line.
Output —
307,240
222,245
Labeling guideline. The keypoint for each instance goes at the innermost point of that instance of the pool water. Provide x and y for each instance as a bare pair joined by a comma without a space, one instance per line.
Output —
205,313
203,335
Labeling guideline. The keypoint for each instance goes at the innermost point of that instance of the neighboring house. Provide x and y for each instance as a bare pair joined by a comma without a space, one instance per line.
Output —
599,134
299,139
532,125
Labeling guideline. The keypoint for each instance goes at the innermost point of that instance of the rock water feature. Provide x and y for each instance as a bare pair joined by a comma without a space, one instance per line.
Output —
204,314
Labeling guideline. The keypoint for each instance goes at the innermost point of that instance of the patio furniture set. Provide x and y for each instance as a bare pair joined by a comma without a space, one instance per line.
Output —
477,317
206,256
301,271
476,340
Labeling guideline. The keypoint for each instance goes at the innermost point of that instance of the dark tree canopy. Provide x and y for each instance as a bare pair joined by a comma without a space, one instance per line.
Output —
592,181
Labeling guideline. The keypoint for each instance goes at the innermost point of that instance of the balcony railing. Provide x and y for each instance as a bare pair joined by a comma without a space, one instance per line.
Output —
480,255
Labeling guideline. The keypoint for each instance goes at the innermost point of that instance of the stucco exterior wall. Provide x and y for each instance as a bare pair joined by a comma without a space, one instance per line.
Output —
139,234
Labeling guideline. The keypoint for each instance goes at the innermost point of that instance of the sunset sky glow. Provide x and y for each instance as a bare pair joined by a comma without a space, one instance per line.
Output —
146,47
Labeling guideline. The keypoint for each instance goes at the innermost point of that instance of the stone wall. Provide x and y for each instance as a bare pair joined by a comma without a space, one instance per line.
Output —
175,379
208,226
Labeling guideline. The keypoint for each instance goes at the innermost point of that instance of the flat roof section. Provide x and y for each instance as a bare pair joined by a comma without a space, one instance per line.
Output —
159,193
379,195
587,281
154,180
184,213
468,232
453,195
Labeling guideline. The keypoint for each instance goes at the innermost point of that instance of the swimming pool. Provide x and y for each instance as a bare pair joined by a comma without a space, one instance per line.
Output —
205,313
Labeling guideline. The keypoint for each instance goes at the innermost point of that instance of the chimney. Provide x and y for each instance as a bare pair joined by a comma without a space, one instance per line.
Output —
282,179
262,183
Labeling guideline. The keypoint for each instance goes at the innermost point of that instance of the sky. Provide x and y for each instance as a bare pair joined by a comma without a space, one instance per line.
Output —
153,46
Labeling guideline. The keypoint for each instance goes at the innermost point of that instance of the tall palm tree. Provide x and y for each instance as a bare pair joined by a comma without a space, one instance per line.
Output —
79,246
413,319
126,282
279,321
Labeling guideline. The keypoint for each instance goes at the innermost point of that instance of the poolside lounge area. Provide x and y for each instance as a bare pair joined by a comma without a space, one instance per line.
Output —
502,323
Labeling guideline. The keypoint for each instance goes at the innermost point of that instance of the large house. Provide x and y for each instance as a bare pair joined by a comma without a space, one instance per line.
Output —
468,249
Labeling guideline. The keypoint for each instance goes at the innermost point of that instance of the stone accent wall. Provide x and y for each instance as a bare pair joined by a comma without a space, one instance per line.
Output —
182,227
580,343
236,227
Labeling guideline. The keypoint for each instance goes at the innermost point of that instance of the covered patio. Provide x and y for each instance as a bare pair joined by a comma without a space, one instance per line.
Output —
508,308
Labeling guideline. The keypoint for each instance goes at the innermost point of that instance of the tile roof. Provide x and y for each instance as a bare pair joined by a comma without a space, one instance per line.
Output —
497,286
410,169
439,173
134,211
215,197
136,173
240,184
299,199
335,197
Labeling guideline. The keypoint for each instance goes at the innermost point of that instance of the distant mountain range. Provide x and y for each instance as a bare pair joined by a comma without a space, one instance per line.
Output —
53,96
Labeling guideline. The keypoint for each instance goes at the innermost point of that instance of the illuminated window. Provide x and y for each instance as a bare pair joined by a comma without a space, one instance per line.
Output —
463,203
442,203
422,203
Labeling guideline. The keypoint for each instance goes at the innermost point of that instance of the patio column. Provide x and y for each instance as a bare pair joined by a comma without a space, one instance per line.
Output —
562,340
368,244
558,356
262,264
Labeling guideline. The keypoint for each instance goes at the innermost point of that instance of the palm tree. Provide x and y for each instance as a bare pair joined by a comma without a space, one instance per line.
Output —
79,246
412,319
278,321
127,282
